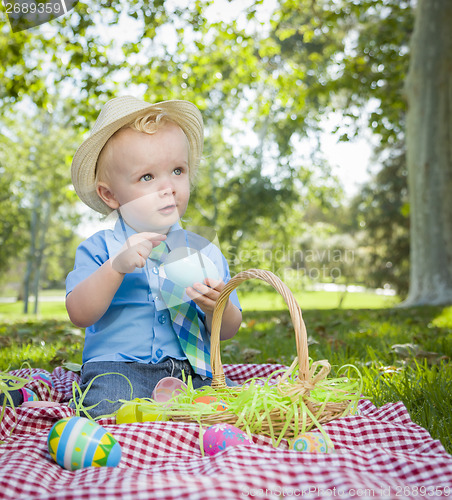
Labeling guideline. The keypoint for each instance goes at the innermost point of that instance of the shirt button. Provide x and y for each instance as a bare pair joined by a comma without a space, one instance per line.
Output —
162,319
155,270
159,353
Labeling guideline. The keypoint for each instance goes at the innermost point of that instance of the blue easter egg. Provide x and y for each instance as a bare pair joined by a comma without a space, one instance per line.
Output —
185,266
44,378
77,442
28,394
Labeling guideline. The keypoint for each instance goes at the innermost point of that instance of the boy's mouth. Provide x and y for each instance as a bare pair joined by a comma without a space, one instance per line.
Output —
167,209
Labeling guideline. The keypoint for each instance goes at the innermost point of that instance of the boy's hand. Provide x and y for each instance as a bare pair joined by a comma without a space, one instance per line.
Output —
135,251
205,294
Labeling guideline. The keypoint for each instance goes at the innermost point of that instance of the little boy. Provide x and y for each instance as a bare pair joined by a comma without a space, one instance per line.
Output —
140,160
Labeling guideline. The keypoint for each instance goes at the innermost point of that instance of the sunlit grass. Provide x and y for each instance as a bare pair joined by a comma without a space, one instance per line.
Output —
444,318
264,301
46,310
250,301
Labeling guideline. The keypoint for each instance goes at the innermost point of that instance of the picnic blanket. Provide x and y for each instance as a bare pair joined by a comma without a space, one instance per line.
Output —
379,453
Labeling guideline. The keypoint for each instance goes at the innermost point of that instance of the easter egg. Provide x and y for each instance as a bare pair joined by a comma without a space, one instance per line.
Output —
313,442
132,412
76,442
39,404
166,388
150,413
127,414
209,400
220,437
185,266
44,378
28,394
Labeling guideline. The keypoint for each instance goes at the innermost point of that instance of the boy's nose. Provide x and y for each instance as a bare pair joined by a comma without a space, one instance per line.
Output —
166,188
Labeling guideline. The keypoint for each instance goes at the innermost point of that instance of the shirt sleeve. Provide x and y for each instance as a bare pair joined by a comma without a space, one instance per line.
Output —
89,256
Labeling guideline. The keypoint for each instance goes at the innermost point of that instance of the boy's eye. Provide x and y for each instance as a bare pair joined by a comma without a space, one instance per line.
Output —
178,171
146,177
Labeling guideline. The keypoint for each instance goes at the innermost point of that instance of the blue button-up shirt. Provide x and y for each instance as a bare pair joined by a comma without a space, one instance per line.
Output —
137,326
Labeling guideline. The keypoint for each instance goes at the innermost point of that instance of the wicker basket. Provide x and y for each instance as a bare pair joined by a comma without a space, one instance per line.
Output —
306,412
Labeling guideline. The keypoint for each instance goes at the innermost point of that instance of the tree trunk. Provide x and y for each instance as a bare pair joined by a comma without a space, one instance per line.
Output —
429,154
40,253
32,253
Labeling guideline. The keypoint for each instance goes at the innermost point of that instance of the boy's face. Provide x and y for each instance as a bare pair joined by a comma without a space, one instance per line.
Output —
148,177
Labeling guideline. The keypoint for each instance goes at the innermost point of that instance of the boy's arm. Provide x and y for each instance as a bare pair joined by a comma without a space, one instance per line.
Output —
206,296
90,299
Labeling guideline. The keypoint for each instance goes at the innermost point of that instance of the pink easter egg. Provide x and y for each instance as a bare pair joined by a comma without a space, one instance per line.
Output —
220,437
166,388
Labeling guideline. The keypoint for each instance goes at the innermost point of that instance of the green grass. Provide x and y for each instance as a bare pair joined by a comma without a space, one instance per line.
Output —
47,310
269,301
403,354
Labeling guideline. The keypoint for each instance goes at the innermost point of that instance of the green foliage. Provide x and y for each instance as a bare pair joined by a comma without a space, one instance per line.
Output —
381,209
37,215
375,64
13,215
263,84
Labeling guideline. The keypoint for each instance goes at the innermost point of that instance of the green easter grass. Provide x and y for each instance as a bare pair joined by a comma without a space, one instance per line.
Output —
279,411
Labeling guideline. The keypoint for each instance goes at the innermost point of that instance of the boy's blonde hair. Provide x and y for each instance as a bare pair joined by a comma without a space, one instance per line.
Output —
149,123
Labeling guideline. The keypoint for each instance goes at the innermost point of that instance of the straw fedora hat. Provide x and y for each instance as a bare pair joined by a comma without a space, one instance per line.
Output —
115,114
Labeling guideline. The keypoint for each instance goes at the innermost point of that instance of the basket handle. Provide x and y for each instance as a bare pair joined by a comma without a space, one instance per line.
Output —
218,378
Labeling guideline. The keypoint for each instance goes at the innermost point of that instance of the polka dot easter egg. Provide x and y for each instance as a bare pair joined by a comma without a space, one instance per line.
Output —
166,388
76,442
220,437
313,442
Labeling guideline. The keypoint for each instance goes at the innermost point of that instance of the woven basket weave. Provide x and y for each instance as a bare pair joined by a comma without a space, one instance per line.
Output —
308,376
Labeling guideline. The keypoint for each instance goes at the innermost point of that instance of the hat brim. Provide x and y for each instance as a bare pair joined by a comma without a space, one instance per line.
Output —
122,111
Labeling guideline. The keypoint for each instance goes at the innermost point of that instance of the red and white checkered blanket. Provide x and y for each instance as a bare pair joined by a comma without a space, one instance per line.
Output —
378,453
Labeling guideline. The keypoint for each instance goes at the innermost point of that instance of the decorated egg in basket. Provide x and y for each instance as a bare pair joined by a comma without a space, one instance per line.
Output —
313,442
166,388
76,442
209,400
219,437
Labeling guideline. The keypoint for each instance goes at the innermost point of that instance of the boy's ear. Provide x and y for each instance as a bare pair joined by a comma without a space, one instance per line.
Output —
106,195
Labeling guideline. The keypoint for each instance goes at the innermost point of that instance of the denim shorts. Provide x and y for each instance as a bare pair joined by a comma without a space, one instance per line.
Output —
143,377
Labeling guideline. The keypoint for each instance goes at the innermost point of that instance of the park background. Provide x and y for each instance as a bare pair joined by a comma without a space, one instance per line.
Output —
279,83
